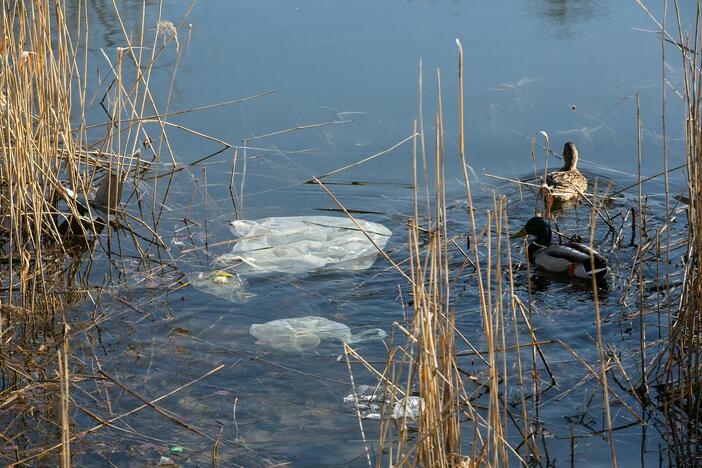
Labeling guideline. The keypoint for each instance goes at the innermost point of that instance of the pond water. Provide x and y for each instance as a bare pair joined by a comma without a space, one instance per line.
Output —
571,68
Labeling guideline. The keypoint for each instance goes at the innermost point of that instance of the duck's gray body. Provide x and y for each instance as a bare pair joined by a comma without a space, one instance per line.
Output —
573,259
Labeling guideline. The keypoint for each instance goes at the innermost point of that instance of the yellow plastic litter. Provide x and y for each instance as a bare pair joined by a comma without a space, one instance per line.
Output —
222,284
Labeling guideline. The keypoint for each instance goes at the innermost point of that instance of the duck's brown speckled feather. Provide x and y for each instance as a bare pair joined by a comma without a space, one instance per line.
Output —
566,185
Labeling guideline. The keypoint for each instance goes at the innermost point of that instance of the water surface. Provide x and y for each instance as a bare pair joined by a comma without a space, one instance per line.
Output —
569,68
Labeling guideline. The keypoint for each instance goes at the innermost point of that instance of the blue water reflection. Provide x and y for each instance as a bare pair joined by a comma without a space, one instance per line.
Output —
570,68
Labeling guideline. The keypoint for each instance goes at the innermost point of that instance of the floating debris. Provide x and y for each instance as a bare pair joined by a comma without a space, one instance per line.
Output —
369,400
224,285
166,462
305,333
299,244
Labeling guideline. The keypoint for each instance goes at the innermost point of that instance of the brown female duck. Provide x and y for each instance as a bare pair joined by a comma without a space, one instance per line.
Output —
568,183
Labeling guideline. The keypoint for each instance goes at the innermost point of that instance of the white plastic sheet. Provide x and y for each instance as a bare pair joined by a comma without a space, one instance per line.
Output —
304,333
299,244
221,284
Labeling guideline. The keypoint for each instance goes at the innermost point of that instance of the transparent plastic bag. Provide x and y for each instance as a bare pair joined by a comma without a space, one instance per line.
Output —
221,284
368,401
409,407
304,333
299,244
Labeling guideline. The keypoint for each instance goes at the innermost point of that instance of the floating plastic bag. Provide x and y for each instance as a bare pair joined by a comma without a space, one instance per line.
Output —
304,333
221,284
369,399
410,407
299,244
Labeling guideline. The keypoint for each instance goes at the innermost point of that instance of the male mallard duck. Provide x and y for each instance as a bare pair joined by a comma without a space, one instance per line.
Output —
572,259
568,183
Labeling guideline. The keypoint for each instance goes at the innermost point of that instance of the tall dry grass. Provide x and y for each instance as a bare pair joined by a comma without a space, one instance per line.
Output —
680,377
423,358
61,181
40,150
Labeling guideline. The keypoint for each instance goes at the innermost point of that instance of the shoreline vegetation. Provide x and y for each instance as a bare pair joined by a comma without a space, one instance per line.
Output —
63,181
66,183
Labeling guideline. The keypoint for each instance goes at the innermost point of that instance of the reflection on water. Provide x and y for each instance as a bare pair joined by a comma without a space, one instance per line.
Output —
105,24
564,16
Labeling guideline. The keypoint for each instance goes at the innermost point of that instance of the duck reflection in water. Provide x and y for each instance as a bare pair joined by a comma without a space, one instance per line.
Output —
565,15
547,282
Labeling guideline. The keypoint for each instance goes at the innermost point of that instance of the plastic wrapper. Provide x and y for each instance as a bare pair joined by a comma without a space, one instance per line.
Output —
410,407
304,333
166,463
369,400
299,244
221,284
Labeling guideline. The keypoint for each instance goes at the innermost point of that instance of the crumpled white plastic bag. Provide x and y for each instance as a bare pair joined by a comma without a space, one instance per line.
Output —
304,333
298,244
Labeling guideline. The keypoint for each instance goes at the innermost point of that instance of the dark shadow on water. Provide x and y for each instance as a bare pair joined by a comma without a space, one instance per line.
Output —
543,282
105,21
564,16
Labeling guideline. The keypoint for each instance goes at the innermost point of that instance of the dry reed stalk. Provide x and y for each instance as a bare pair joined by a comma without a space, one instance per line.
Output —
666,182
598,338
527,432
642,327
64,390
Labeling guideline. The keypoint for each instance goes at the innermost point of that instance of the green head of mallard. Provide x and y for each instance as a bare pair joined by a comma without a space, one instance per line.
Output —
538,228
570,156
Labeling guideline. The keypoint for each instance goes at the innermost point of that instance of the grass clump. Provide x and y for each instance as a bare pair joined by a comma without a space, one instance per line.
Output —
61,182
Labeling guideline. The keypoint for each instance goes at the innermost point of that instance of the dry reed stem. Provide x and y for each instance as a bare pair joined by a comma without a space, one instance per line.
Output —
364,160
598,340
